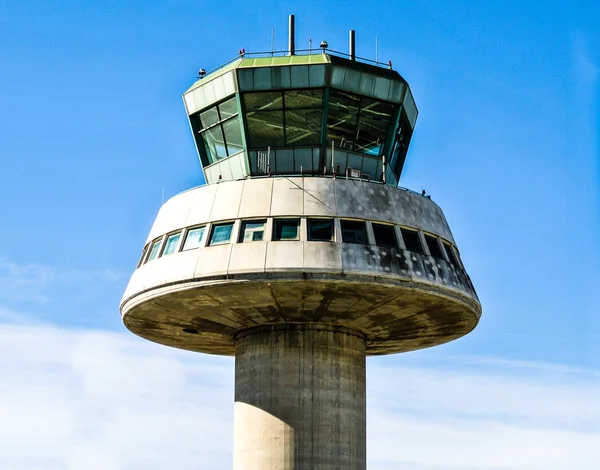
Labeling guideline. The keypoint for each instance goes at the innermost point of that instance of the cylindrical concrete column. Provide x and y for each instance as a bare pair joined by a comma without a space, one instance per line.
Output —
300,398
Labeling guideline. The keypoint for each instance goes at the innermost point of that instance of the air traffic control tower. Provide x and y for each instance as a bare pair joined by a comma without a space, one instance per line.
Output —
301,256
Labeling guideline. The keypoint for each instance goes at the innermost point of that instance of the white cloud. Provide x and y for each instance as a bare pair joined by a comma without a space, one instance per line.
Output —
32,282
87,400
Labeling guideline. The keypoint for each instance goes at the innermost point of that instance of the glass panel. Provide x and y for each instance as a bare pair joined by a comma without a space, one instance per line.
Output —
263,101
411,108
193,238
281,77
214,144
154,250
144,251
228,108
219,86
303,127
451,255
411,240
209,93
352,80
382,88
366,84
229,83
221,234
265,128
286,229
171,244
434,247
337,77
284,160
233,136
320,230
342,119
299,75
262,78
252,231
354,231
246,79
299,99
209,117
316,75
385,235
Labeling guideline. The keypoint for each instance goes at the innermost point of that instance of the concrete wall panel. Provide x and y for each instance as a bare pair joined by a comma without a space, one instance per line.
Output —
288,197
256,198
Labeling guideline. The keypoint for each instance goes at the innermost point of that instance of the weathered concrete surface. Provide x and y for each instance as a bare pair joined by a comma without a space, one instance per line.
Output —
300,196
395,316
300,399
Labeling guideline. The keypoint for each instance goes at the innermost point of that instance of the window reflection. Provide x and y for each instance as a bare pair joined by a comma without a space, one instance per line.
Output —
286,229
354,231
171,244
252,231
193,238
358,123
221,234
279,119
154,250
220,131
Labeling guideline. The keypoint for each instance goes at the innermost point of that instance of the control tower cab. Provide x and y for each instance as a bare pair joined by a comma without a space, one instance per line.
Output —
301,255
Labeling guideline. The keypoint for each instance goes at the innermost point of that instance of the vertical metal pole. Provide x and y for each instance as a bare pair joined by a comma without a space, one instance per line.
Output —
333,158
292,36
352,44
377,50
383,162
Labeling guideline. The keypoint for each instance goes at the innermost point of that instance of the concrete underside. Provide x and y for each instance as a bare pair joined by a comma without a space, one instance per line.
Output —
300,398
394,316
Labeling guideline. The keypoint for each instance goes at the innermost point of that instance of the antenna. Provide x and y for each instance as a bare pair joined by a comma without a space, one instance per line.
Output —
292,36
272,39
352,40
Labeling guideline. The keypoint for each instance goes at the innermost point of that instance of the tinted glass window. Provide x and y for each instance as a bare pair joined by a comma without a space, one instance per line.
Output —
320,230
451,255
193,238
286,229
358,123
144,251
385,235
154,250
354,232
287,118
252,231
411,240
171,244
434,247
221,234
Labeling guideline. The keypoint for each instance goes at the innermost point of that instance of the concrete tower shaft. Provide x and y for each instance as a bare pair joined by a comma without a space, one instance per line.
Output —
318,419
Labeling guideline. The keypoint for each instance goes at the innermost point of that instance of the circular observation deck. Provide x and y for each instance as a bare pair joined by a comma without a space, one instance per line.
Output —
224,258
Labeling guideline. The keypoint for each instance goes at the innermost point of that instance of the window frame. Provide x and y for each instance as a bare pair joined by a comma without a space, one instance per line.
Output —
393,229
355,221
282,220
212,232
177,244
159,242
310,220
241,234
201,241
434,239
419,241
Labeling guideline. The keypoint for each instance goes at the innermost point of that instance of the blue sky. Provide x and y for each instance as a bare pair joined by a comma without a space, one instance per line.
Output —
93,127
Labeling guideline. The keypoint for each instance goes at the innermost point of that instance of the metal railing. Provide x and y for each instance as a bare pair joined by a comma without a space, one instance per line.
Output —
312,51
